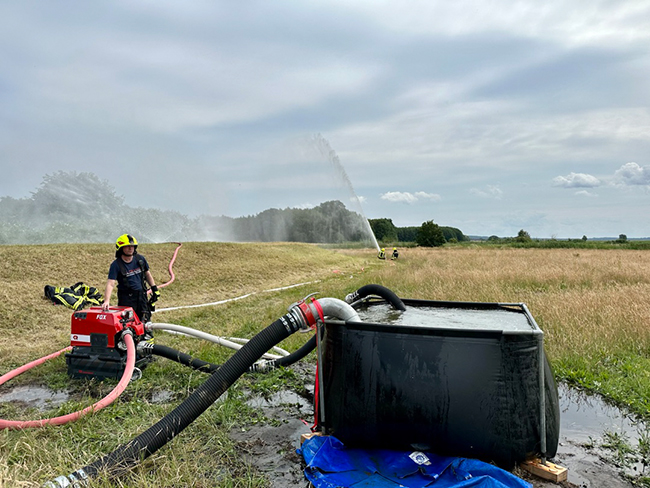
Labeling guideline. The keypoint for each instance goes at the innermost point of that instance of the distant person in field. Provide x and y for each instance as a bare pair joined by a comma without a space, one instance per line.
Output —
395,253
382,254
130,271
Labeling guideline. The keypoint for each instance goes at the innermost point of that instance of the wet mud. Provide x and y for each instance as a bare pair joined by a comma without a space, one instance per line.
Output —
38,397
270,446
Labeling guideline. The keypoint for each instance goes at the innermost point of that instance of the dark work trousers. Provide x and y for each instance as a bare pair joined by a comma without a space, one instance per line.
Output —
137,300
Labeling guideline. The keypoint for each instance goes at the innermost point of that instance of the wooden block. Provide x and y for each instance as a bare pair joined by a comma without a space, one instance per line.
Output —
547,471
304,437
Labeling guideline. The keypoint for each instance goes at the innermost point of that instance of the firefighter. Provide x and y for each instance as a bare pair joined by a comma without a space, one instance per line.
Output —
382,254
395,254
130,271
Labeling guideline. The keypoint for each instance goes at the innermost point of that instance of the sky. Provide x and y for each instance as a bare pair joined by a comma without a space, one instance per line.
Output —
486,116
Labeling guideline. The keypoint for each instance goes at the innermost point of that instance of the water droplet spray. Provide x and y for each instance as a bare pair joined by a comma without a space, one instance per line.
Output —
326,150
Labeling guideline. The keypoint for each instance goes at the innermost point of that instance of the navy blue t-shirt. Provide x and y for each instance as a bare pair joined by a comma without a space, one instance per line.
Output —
133,277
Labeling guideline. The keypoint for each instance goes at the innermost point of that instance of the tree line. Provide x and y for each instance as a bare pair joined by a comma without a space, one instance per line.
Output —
72,207
429,234
80,207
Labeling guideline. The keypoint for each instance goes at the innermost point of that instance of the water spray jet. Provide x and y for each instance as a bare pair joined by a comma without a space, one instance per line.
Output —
326,150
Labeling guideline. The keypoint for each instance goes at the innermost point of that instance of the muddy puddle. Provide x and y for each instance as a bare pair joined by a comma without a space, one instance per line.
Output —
271,446
587,423
39,397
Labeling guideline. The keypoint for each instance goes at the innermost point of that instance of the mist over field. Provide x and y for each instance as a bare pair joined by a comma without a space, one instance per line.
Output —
81,207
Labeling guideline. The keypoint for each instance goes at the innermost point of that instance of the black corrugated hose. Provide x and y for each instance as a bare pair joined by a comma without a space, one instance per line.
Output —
310,345
378,290
207,367
145,444
284,361
183,358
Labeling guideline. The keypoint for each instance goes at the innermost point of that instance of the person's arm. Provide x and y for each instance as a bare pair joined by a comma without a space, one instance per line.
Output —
110,284
155,294
149,277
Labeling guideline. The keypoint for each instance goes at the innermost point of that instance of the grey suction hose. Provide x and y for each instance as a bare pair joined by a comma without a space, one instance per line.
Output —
151,326
378,290
300,316
207,367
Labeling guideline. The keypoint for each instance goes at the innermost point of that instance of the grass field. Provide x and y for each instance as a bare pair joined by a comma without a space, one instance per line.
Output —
591,304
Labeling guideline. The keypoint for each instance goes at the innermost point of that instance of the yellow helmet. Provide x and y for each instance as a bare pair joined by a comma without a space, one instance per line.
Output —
382,248
125,240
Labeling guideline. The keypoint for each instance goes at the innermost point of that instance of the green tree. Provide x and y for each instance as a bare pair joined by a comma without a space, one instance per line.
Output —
453,233
407,234
430,235
523,236
384,229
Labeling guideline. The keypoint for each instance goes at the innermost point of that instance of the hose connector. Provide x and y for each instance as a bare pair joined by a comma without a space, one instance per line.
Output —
145,348
127,331
352,297
263,366
304,314
78,479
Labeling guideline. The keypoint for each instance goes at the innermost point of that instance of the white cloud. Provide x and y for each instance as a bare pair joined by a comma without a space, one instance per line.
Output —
586,193
409,198
633,174
576,180
491,191
420,195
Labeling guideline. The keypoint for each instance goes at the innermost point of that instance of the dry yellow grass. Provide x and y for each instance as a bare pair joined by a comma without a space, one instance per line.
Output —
205,272
585,301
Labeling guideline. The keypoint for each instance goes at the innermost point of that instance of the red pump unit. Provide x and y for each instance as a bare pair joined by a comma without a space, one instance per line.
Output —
95,339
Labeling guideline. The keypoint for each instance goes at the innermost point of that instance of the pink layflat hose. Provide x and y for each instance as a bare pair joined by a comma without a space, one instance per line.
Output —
171,271
107,400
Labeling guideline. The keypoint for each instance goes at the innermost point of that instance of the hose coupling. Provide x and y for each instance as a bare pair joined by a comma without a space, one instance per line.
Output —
304,314
78,479
352,297
145,348
263,366
122,345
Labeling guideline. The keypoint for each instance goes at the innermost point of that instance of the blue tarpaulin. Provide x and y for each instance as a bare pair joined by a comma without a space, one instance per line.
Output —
331,465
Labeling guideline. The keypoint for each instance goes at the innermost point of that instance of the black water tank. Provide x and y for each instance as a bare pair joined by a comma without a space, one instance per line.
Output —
456,378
